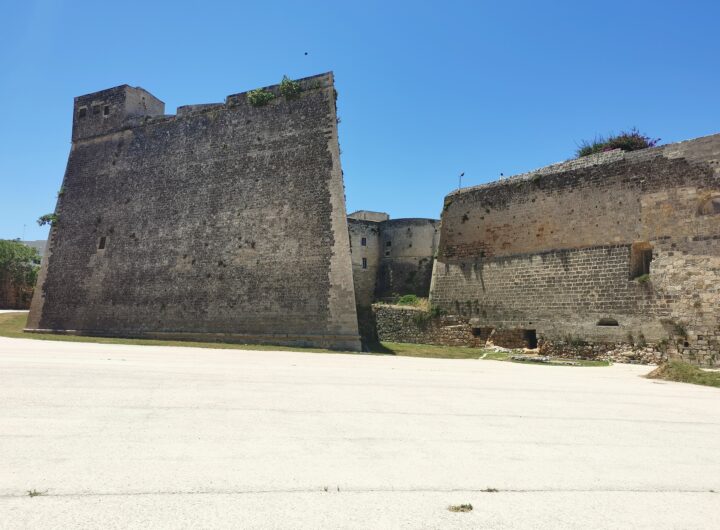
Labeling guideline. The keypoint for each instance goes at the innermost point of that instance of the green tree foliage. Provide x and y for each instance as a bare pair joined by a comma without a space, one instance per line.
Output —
19,264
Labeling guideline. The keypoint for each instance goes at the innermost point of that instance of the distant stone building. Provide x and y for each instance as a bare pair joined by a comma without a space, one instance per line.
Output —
38,244
391,257
224,222
609,249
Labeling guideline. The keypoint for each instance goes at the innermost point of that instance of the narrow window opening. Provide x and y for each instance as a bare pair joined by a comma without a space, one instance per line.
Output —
101,244
607,322
363,242
364,263
106,110
96,109
387,253
389,243
82,112
641,255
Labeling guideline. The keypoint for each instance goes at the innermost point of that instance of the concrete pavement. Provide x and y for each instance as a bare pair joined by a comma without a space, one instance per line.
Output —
163,437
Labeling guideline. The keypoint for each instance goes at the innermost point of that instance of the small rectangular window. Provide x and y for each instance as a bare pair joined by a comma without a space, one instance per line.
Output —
106,110
364,263
641,255
96,109
82,112
363,242
388,243
101,244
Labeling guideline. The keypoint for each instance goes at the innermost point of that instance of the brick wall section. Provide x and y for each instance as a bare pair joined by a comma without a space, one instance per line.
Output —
409,324
551,250
225,222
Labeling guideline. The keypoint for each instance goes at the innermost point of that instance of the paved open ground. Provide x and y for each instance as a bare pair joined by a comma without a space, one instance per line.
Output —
161,437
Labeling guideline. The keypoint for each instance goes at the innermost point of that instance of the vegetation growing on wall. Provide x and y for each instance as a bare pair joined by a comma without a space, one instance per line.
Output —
408,299
260,97
47,219
631,140
289,88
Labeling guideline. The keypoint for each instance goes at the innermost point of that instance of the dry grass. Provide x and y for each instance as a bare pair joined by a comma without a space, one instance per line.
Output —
685,373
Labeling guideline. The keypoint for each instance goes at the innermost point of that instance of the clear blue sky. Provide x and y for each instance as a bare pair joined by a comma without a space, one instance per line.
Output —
427,89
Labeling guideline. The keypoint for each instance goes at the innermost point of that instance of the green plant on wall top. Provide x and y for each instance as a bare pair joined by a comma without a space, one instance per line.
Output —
631,140
289,88
260,97
408,299
47,219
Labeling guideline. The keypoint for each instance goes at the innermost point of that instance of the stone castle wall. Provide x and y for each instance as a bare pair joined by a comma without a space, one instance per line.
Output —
563,251
224,222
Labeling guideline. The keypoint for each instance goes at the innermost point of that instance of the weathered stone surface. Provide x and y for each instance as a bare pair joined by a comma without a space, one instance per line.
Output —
557,251
224,222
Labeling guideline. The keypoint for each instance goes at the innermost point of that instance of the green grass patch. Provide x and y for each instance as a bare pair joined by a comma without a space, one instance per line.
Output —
12,324
408,299
496,355
685,373
406,349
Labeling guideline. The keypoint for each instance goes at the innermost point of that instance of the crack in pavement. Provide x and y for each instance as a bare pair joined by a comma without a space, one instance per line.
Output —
332,490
